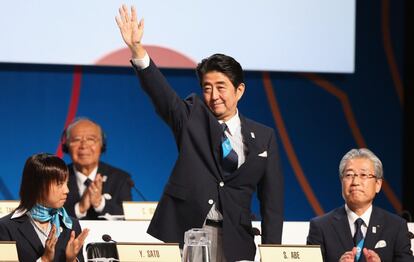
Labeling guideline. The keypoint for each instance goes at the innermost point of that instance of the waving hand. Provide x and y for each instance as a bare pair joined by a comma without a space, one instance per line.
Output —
131,30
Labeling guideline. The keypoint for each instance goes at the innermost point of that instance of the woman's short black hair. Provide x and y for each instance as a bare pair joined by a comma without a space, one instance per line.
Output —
39,173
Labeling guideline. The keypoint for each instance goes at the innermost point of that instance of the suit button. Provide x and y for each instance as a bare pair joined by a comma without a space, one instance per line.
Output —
210,201
221,184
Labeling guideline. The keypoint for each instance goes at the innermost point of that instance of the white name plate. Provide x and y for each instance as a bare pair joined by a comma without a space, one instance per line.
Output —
7,206
139,210
148,252
8,251
292,253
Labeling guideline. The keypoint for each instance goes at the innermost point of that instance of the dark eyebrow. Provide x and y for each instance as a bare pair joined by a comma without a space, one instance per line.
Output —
217,83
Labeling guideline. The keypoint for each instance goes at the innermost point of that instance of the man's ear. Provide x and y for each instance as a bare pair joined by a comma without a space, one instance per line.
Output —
378,185
240,91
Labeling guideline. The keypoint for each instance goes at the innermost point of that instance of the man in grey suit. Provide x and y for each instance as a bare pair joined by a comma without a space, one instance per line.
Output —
360,231
223,156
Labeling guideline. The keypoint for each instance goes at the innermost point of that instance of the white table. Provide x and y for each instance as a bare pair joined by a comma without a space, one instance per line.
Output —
136,231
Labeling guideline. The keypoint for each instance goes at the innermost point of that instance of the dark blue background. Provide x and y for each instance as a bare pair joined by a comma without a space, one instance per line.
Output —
34,101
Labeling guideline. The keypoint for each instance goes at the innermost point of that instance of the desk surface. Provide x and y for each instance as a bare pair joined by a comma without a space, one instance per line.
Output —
136,231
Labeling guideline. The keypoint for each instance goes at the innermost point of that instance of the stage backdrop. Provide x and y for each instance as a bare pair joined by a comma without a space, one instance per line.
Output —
263,35
317,117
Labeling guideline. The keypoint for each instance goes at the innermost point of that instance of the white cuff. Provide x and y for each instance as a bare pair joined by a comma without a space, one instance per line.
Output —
78,213
141,63
101,206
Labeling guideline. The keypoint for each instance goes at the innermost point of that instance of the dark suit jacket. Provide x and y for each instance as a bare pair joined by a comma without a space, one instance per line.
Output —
117,184
332,232
29,247
197,174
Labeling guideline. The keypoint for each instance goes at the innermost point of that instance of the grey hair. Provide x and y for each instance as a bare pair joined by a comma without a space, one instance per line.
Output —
362,153
80,119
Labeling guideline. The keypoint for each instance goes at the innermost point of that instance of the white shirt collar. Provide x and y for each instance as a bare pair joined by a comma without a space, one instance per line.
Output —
352,216
233,123
81,178
19,213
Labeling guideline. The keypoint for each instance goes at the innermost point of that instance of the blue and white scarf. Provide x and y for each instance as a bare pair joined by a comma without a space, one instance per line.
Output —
43,214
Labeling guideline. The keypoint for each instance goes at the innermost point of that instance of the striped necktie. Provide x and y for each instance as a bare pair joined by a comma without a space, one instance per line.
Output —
230,159
358,238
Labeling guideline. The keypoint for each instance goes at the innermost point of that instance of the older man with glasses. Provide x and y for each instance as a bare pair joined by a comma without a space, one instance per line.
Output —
359,231
96,188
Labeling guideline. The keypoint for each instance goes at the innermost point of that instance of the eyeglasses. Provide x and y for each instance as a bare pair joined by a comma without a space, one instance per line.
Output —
88,140
363,177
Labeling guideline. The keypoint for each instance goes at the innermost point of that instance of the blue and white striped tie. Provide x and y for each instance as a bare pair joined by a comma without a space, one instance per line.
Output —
358,238
230,158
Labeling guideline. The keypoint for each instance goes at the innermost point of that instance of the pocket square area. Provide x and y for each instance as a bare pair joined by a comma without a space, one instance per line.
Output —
263,154
107,196
381,244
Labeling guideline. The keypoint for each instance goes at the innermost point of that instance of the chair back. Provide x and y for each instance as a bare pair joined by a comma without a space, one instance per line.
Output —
102,252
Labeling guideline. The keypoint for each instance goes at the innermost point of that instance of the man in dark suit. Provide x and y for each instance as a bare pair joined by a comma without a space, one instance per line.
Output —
360,231
96,188
218,167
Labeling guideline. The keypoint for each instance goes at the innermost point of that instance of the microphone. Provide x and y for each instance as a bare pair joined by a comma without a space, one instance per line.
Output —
107,238
132,185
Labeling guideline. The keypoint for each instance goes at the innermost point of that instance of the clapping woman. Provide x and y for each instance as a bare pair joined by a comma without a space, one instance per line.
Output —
40,225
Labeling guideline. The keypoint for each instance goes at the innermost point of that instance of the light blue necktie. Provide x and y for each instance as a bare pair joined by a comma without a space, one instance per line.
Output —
229,161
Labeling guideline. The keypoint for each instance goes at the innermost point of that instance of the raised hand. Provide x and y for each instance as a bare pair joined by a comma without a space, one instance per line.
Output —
74,245
49,253
131,30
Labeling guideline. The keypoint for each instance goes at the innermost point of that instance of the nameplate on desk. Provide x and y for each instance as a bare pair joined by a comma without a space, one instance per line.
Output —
7,206
296,253
8,251
139,210
148,252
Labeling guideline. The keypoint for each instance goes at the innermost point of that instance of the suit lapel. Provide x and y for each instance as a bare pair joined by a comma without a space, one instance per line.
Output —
63,238
103,171
215,142
248,138
250,143
341,226
374,230
28,232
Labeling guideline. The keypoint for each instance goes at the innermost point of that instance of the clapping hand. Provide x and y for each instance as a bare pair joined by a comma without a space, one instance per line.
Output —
49,253
75,244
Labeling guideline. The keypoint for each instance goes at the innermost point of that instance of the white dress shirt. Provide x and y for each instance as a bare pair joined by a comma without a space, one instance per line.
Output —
80,181
352,217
